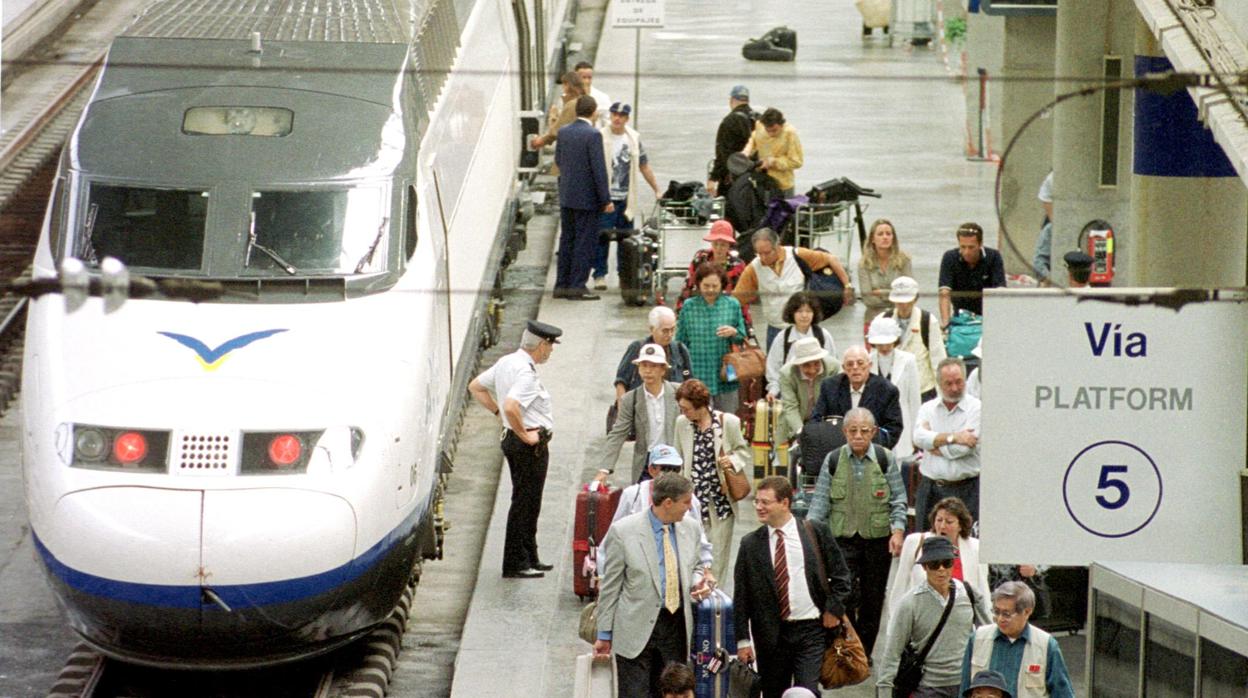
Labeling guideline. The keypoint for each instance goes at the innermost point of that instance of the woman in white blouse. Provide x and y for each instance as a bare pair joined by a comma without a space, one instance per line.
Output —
949,518
902,370
803,313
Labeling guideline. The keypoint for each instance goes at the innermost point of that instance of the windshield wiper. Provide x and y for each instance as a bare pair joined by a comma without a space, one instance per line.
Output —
368,256
252,244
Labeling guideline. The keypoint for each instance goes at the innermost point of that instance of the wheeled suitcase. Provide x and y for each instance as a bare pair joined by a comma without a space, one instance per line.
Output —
636,267
594,510
712,632
764,50
770,457
595,678
818,439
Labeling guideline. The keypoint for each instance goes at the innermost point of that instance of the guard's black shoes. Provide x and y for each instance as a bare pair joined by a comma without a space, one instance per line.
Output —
543,566
524,574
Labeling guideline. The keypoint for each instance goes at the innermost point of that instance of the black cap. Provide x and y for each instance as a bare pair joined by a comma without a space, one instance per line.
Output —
547,332
988,679
937,548
1077,260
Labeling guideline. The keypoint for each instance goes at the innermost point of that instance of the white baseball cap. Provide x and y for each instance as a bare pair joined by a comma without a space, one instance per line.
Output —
652,354
903,290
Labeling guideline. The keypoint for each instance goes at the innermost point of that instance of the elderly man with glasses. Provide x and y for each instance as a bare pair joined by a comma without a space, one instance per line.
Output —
920,621
860,496
1028,657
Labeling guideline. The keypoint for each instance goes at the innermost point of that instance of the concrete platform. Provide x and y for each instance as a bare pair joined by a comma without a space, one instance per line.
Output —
888,118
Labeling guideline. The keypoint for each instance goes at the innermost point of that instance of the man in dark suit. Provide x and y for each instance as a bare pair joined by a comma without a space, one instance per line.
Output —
583,194
782,607
857,386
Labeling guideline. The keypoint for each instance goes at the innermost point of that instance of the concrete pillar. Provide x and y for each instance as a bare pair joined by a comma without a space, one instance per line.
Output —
1030,52
1189,209
1085,128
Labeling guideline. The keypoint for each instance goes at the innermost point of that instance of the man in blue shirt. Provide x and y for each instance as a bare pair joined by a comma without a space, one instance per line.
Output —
1028,657
644,612
966,271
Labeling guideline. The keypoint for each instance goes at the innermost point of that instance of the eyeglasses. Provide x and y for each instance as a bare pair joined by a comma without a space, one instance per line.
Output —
938,564
1003,615
859,430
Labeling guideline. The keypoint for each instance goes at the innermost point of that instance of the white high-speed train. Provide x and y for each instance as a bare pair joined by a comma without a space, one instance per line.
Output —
251,479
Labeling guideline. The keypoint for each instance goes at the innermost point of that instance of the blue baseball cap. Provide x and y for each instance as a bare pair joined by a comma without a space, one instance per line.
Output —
621,108
664,455
740,92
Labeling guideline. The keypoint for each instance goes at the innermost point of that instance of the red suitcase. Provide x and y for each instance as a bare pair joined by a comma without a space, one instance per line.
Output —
594,511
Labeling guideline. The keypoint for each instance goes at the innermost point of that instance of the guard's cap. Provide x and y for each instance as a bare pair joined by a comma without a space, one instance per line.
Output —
1077,260
740,92
805,350
903,290
651,354
988,679
721,230
883,330
937,548
621,108
545,331
663,455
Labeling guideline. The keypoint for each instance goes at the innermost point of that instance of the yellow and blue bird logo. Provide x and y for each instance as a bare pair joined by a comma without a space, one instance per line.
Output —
211,359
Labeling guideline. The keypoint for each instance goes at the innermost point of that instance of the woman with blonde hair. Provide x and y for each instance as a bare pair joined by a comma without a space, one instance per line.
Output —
882,261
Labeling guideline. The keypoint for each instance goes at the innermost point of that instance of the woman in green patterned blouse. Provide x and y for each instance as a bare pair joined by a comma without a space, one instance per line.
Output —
709,324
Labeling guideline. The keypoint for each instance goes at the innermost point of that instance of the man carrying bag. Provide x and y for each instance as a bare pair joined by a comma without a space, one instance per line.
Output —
929,630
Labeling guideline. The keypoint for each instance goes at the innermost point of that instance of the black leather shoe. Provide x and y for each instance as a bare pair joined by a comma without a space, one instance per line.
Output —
543,566
524,574
559,293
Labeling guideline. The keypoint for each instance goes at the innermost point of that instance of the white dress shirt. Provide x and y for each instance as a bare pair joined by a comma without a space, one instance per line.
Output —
515,376
655,414
855,396
801,605
951,461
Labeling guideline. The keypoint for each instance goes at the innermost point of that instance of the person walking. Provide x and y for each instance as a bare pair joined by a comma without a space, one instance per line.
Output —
803,312
951,519
948,429
583,195
644,615
882,262
901,369
648,412
709,324
966,271
800,380
857,386
511,389
860,497
920,332
662,326
1028,658
790,586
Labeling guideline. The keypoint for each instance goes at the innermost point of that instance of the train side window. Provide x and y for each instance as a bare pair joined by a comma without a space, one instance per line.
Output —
410,231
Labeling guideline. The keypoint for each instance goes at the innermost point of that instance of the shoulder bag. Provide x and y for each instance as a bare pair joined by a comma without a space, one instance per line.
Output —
845,659
910,666
735,481
743,681
824,284
747,361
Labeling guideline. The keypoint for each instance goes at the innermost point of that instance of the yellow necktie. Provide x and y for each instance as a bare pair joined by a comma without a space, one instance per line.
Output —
671,583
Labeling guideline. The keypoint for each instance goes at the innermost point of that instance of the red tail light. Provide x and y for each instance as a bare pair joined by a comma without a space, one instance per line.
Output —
130,448
285,449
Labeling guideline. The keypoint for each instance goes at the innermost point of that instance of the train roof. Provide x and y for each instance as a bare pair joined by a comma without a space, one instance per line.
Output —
366,21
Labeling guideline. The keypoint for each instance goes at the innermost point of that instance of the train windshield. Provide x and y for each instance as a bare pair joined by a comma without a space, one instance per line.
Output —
144,227
323,231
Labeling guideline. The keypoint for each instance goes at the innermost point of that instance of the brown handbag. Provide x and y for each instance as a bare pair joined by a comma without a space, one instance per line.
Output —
747,360
737,484
845,659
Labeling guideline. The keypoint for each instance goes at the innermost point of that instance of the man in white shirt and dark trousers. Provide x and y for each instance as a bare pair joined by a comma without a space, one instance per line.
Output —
789,586
511,389
947,428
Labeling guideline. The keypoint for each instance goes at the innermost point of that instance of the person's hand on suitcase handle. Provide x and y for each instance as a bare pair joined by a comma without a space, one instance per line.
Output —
602,649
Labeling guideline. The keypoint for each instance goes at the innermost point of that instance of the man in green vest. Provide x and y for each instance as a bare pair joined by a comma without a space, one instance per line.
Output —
859,495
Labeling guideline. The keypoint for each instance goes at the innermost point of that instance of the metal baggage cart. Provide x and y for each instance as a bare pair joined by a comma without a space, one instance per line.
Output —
681,227
832,227
913,21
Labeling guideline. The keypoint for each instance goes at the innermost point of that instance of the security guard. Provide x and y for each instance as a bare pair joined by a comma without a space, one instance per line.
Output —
1079,265
528,419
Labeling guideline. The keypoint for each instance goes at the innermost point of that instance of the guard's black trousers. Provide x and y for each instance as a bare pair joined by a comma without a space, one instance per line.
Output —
528,478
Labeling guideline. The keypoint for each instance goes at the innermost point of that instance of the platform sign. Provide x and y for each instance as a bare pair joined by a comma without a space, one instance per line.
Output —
638,14
1111,432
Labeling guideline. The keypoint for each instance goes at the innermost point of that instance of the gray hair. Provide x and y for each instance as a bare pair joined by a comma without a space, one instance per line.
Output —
764,234
1024,598
529,341
951,361
669,486
860,414
856,349
660,312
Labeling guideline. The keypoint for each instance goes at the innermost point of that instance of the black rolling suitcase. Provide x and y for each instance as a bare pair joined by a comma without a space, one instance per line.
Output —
818,439
637,252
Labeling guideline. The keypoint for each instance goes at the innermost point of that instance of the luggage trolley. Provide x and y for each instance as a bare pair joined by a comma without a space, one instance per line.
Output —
913,20
681,226
829,227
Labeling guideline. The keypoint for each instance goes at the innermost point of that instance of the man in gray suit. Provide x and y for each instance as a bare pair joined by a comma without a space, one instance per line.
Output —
644,612
649,411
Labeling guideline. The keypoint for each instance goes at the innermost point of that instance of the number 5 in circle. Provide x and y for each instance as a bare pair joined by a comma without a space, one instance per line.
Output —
1124,492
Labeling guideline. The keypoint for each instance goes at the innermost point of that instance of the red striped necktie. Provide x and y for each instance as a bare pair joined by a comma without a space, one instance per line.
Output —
781,562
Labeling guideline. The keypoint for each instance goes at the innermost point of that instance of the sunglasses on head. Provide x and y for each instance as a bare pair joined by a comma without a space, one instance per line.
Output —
938,564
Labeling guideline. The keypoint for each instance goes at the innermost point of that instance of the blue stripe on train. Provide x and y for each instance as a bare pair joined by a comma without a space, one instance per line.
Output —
1170,141
234,595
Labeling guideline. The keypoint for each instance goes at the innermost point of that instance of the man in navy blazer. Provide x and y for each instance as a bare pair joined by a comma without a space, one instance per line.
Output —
583,195
875,393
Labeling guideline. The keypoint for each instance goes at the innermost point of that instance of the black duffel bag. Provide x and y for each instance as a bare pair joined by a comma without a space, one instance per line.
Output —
824,285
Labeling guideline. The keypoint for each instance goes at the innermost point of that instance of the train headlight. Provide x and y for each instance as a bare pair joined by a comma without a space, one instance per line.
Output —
115,448
285,450
319,452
